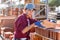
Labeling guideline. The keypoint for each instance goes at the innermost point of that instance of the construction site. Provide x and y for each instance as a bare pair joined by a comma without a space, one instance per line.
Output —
47,26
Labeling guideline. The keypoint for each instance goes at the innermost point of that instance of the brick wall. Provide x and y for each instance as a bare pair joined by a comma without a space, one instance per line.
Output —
9,24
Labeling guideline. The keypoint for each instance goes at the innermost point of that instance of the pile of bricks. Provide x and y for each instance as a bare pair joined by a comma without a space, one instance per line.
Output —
53,34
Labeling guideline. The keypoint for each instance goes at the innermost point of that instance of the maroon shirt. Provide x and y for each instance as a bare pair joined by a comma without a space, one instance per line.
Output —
20,24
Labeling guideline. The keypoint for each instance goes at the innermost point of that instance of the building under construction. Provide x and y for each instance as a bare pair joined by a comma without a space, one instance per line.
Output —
10,11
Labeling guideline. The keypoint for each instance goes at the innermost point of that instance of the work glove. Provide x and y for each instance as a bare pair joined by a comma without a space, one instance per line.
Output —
38,23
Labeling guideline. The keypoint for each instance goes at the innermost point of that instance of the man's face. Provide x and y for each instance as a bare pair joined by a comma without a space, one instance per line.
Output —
29,13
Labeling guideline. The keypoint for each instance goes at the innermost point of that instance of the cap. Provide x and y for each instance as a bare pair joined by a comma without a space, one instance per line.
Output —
30,6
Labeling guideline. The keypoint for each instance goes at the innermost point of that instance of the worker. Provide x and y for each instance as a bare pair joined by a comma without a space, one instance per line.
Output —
23,21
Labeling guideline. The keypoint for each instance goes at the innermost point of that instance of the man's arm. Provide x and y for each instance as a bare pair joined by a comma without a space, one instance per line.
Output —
45,24
27,28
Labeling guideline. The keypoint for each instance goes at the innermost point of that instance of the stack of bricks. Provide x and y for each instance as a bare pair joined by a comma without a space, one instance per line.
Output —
8,24
42,32
34,36
48,34
58,36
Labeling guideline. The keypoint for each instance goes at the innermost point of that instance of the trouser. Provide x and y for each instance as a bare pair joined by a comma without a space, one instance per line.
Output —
20,39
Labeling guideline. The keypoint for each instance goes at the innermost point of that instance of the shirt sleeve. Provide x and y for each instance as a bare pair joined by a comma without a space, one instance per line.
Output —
33,21
19,24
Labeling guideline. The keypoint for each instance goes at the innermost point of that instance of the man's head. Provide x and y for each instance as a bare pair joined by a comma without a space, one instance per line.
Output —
29,9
